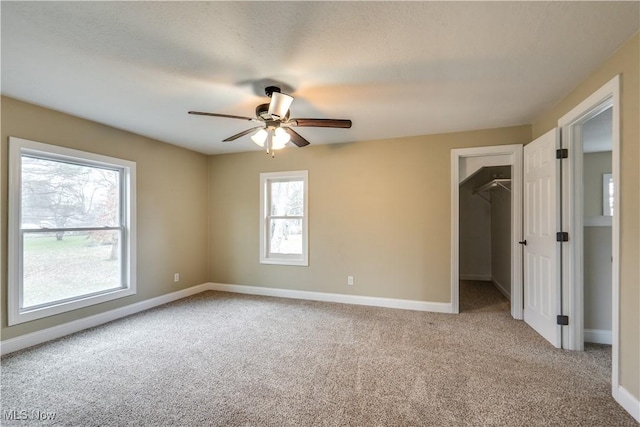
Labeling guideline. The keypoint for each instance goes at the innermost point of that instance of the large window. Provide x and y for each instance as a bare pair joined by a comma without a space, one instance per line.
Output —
283,218
71,229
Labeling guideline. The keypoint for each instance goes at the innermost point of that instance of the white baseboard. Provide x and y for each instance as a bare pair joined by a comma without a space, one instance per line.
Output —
438,307
477,277
18,343
598,336
503,290
629,402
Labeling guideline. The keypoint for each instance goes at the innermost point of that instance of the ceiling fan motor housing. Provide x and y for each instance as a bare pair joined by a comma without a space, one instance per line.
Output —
269,90
262,112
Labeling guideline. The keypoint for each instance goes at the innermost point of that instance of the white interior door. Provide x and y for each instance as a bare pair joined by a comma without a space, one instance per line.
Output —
541,251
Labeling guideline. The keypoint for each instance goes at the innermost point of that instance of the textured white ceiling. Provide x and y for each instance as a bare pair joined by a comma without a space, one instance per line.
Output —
394,68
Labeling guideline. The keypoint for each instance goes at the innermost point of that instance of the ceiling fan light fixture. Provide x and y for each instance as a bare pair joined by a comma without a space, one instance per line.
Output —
280,139
275,129
279,105
259,137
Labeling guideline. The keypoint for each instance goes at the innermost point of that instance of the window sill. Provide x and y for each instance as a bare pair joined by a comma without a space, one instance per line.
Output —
26,315
290,262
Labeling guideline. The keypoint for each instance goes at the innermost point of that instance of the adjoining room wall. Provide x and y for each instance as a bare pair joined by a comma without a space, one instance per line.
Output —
597,246
597,278
595,165
171,204
626,62
379,211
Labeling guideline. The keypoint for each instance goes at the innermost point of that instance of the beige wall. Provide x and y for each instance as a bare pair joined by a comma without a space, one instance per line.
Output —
171,203
626,62
379,211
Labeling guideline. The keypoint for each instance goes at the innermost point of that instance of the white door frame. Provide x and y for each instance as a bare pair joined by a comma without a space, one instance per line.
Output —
573,218
515,151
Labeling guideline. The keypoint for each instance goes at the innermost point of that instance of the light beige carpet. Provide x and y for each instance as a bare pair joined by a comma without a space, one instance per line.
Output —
236,360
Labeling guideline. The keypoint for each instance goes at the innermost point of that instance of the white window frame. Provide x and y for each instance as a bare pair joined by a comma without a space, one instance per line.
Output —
265,204
127,169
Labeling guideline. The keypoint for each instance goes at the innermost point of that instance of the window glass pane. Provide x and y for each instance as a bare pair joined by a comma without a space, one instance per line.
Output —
287,198
57,266
285,236
57,194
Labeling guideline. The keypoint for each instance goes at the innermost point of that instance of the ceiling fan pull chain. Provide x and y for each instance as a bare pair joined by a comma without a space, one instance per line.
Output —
268,142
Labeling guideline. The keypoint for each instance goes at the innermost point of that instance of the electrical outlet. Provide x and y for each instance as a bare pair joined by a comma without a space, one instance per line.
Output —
176,277
350,280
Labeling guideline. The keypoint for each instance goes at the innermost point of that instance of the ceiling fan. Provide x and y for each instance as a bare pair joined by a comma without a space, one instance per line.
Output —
274,131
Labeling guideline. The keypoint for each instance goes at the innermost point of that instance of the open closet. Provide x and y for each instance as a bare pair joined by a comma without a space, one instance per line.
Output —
485,227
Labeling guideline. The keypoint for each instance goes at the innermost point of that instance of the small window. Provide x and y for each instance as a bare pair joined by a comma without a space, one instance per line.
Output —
283,218
71,229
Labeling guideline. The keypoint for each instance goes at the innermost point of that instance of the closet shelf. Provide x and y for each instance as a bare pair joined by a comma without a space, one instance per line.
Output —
493,184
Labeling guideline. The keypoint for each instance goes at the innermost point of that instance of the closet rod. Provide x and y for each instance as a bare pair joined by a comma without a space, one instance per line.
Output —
494,183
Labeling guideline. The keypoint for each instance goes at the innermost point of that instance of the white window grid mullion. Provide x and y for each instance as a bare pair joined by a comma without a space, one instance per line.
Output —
69,229
270,217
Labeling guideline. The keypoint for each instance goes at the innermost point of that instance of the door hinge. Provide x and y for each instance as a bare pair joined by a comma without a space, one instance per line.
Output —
562,236
562,153
563,320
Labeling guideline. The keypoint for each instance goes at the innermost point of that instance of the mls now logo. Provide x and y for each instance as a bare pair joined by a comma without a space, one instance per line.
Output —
23,415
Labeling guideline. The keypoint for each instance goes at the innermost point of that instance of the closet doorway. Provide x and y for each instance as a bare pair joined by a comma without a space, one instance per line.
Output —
486,207
485,237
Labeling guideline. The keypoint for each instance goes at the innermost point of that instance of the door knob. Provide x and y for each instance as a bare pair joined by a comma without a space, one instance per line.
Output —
524,242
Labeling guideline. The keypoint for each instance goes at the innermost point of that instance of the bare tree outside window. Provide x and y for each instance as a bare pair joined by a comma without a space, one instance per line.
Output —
75,201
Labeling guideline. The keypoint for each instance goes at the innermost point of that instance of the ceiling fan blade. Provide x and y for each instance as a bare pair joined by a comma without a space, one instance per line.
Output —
228,116
322,123
296,138
243,133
